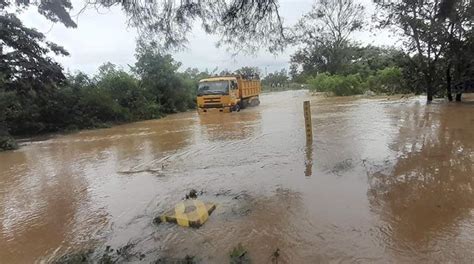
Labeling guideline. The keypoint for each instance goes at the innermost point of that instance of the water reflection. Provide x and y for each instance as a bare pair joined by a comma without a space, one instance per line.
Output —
47,203
308,171
425,193
234,126
61,192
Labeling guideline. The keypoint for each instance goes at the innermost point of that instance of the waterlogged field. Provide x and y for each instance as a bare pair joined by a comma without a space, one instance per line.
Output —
384,181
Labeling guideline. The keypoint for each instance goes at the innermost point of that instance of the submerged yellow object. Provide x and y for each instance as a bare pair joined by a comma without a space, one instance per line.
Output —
189,213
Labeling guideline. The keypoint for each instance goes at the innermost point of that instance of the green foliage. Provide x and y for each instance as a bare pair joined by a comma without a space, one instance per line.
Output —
125,90
25,61
382,70
7,99
277,78
438,33
111,96
388,80
239,255
250,72
337,84
324,33
158,77
359,60
7,142
195,75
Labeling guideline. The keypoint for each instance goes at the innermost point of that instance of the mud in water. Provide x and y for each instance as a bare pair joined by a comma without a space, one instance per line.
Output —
385,181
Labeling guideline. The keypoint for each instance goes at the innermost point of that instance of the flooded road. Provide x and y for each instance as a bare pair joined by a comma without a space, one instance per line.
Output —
385,181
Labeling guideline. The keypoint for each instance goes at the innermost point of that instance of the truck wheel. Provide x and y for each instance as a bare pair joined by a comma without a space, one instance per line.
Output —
243,104
237,108
255,102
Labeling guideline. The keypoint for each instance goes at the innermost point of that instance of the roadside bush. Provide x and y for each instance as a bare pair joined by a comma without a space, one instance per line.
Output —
388,80
7,142
158,76
337,84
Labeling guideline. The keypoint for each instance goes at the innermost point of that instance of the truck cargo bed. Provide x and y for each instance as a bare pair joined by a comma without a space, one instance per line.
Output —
249,88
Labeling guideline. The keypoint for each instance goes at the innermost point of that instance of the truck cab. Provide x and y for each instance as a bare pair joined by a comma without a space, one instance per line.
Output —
218,92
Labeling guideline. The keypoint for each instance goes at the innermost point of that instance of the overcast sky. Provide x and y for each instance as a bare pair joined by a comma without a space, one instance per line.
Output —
103,36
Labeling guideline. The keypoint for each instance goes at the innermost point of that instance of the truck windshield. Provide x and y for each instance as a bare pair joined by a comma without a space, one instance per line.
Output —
206,88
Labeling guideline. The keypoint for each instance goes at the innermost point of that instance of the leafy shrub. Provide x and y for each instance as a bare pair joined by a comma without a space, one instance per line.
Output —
337,84
7,143
388,80
158,76
7,100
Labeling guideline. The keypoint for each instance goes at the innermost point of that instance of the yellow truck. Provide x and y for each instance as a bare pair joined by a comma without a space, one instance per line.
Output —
228,93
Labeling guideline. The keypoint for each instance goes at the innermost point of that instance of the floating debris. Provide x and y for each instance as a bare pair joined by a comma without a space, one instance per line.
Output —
74,258
192,194
276,256
186,260
239,255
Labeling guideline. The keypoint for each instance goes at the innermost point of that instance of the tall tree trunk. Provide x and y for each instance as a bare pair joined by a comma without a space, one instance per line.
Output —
429,73
448,83
429,88
429,93
458,97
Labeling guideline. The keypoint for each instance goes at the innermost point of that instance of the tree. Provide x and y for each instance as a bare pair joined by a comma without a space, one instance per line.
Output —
276,78
24,51
224,73
157,72
365,61
28,72
459,35
249,72
430,30
369,59
446,7
324,34
195,74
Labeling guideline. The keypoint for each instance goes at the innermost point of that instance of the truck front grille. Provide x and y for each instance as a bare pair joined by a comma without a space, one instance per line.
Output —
212,100
207,105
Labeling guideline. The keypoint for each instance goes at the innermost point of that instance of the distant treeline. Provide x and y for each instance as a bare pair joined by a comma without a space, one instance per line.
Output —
363,68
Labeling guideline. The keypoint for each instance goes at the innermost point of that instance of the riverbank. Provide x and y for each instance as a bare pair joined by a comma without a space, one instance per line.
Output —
12,142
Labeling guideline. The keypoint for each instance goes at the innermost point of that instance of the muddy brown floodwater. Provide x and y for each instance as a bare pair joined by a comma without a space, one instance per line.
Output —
385,181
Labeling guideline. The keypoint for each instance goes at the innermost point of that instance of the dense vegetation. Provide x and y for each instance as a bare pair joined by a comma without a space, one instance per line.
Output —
153,89
380,70
37,96
437,52
150,89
